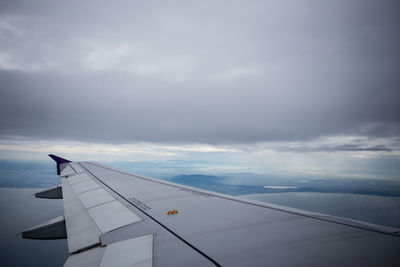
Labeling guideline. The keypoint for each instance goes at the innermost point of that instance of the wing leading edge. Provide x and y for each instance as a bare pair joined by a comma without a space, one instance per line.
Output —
115,218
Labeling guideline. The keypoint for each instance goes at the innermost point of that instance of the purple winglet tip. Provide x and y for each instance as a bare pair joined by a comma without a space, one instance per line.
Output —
58,159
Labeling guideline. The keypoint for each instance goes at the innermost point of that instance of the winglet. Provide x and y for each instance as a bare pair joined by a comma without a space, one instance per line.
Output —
59,161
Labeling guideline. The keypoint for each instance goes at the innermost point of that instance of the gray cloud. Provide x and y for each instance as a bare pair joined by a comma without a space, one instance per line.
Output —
199,71
357,148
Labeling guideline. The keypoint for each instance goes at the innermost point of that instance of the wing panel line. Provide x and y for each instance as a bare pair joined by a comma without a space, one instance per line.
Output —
155,220
331,220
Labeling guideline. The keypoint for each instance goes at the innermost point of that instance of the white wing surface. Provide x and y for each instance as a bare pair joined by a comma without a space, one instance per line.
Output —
115,218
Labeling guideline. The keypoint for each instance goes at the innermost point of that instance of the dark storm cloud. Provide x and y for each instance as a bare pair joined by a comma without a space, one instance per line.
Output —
344,147
208,72
356,148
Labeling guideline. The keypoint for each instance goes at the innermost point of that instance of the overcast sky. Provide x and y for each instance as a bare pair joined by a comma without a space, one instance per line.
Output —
170,78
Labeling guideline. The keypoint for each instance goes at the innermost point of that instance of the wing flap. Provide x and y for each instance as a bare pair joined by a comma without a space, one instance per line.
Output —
82,232
112,215
78,178
85,186
91,211
95,197
130,252
88,258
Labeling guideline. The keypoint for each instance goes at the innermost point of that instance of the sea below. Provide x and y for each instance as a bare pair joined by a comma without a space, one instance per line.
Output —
20,210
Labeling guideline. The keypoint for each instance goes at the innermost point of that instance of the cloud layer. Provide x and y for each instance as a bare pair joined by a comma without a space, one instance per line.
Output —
202,72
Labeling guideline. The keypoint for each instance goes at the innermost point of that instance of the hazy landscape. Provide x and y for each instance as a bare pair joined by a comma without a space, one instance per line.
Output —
41,174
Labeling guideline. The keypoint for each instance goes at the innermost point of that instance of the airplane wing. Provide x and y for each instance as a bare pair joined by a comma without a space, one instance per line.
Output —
115,218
